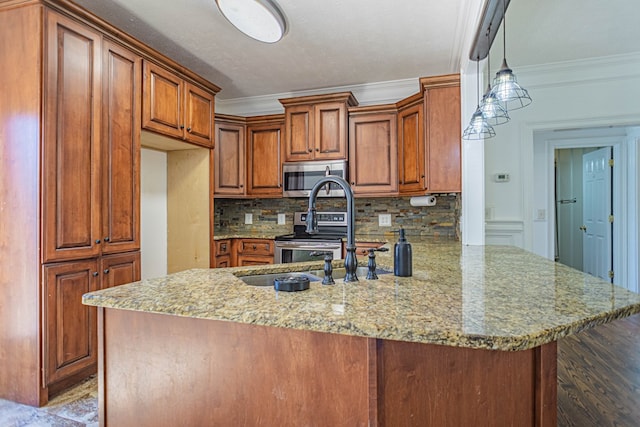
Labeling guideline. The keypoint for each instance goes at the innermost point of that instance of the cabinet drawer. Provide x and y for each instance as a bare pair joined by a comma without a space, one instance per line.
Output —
255,247
223,247
223,261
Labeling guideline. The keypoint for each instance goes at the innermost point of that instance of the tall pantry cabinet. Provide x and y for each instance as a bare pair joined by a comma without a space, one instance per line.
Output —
69,193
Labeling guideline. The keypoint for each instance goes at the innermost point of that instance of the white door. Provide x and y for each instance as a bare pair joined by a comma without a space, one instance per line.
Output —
597,242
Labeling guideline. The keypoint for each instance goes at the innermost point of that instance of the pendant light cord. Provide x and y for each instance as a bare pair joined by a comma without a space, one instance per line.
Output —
504,29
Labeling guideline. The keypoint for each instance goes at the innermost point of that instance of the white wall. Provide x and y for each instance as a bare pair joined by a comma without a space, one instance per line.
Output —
153,213
579,94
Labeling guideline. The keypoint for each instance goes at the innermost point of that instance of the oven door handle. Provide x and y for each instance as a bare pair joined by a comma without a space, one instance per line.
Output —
310,246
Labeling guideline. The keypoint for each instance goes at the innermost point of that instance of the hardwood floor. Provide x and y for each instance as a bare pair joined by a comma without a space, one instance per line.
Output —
599,376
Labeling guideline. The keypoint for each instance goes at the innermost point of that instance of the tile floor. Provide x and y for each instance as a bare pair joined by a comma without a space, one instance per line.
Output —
76,407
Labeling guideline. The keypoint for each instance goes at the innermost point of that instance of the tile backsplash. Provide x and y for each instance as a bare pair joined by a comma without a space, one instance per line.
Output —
441,220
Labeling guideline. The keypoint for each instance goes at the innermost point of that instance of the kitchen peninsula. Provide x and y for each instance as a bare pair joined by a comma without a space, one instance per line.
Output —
470,339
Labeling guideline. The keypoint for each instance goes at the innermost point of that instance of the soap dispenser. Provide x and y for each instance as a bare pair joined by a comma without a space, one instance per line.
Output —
402,262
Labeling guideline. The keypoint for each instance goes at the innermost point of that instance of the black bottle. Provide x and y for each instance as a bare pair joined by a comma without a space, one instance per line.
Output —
402,262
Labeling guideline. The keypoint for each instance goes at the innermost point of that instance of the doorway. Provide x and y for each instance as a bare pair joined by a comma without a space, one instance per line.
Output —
626,180
584,209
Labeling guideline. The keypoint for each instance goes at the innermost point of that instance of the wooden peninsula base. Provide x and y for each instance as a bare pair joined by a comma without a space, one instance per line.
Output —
164,370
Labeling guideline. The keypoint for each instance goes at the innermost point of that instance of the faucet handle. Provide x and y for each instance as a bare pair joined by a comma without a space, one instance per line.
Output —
328,267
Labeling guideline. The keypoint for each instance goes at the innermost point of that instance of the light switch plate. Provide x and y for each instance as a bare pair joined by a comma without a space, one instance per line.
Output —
248,218
384,220
282,219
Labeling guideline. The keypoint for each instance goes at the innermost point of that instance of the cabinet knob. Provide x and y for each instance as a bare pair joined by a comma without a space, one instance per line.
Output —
95,274
223,247
107,239
189,130
181,126
254,247
317,149
353,183
241,186
97,241
310,150
106,271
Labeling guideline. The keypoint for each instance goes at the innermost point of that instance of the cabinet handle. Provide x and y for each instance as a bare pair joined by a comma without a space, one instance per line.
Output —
107,239
353,183
317,149
181,126
422,177
97,241
106,271
95,274
310,150
241,186
254,247
189,130
223,247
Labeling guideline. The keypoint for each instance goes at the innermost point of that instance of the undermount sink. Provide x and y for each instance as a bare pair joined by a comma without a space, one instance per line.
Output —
268,279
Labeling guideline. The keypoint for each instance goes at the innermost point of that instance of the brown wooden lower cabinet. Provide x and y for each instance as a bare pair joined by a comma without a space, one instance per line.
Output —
242,374
70,340
243,252
70,332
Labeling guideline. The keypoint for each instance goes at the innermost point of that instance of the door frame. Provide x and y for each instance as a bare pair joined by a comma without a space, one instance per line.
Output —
620,209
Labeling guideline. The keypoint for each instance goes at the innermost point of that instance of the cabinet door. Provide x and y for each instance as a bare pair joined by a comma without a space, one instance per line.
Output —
71,149
162,101
443,139
411,149
330,138
223,261
120,269
70,340
264,165
299,133
199,108
229,162
121,71
373,154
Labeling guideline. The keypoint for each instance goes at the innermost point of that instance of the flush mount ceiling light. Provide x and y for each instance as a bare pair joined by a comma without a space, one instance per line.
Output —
259,19
505,86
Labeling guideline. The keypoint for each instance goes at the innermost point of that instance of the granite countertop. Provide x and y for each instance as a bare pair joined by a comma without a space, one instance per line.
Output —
490,297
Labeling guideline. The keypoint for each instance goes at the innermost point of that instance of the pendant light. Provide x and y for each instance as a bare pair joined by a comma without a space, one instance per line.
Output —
505,86
478,127
492,110
259,19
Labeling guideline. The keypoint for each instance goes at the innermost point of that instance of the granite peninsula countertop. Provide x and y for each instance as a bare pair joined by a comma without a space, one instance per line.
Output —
489,297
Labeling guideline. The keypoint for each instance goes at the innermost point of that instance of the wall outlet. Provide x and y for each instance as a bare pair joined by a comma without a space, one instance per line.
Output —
248,218
282,219
384,220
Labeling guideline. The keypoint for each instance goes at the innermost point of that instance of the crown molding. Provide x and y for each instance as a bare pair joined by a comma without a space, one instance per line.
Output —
387,92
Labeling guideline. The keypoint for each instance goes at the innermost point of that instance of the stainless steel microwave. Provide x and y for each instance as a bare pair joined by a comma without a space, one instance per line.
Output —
299,178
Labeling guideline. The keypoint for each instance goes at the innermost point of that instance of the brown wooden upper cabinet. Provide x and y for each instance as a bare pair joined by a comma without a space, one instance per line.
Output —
175,107
429,138
442,133
373,150
411,160
264,161
229,156
316,126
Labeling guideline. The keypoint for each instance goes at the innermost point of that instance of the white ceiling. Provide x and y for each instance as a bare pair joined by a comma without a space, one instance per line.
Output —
333,43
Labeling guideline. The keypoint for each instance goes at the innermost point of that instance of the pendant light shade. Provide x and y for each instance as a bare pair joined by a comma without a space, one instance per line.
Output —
478,128
505,85
492,110
507,90
259,19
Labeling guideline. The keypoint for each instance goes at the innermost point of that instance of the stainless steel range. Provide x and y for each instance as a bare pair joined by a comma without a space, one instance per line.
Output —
297,247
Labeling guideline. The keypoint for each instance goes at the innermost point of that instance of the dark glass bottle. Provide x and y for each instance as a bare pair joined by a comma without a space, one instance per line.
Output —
402,261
